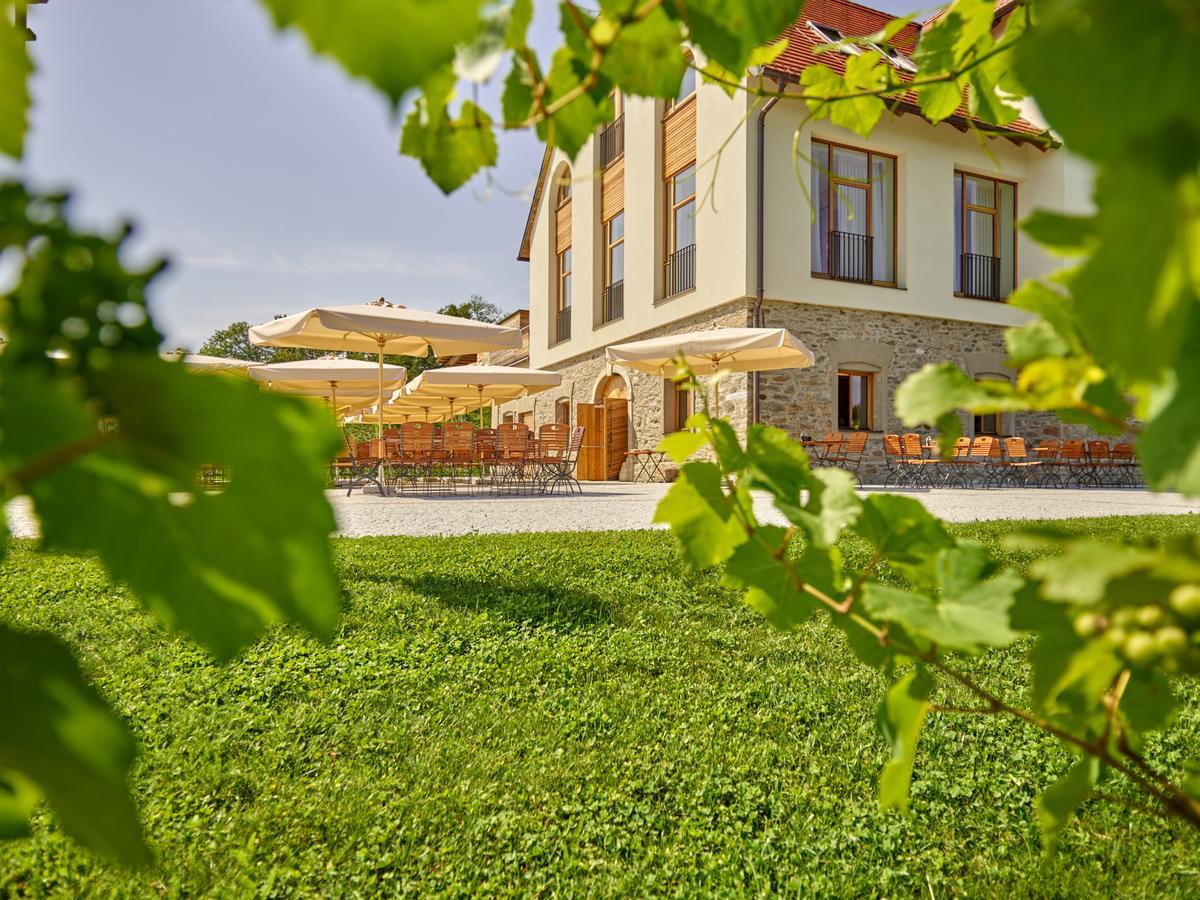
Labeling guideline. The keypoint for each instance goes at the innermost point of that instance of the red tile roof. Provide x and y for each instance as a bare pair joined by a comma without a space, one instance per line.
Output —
854,20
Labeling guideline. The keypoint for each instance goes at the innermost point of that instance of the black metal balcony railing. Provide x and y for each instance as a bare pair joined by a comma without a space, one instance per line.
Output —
562,325
613,303
612,141
680,271
850,256
980,276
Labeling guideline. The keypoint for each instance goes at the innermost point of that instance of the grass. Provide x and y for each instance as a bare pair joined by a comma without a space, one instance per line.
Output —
551,714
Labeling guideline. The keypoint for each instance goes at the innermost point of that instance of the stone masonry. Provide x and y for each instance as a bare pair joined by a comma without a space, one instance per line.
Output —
804,401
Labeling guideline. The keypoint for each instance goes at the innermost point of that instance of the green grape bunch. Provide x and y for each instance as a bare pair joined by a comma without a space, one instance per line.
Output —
1153,633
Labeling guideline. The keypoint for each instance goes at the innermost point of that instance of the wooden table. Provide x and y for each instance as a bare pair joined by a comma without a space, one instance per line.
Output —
647,463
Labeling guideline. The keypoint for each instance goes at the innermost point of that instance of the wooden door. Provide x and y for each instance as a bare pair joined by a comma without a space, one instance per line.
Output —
616,436
590,417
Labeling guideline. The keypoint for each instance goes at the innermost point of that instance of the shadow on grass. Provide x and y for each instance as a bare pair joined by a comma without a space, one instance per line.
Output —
521,601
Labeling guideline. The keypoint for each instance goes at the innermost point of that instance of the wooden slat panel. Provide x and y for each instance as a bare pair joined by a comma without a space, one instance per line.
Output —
612,190
679,138
563,228
616,435
590,417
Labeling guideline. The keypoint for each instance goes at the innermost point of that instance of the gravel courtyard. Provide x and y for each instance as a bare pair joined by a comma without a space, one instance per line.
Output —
623,506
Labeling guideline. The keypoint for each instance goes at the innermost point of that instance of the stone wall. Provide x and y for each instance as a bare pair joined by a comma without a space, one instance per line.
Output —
804,401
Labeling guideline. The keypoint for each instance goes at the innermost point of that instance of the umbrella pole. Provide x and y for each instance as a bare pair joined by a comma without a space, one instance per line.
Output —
380,429
333,391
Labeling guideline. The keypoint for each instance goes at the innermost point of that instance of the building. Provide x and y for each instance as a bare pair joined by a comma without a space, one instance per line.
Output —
689,214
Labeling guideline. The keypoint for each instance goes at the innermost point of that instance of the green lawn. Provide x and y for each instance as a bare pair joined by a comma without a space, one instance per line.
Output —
558,714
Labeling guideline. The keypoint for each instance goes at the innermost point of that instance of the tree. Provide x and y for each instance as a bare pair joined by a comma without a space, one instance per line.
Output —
233,342
476,308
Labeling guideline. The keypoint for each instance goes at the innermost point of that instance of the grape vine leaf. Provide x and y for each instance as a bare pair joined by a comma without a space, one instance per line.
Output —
770,589
1169,445
700,516
968,620
451,150
219,566
904,533
1058,804
730,31
832,505
901,716
680,445
67,744
646,58
15,70
393,44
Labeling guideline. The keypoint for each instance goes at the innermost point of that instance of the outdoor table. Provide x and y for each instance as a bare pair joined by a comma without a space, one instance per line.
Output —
647,463
822,447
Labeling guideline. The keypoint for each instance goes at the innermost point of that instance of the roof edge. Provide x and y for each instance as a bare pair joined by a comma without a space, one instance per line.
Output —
534,202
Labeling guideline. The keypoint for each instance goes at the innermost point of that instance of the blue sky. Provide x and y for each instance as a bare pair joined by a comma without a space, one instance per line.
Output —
268,177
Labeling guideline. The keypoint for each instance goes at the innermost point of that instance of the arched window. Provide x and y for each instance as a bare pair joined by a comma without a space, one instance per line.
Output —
687,84
561,289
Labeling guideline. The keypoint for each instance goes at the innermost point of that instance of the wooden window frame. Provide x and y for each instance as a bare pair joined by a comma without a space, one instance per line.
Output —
672,206
868,402
994,212
609,246
561,404
563,275
850,182
682,401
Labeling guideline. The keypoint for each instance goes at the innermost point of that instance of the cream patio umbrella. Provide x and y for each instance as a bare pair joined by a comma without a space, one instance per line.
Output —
481,384
713,351
383,328
354,379
401,409
199,362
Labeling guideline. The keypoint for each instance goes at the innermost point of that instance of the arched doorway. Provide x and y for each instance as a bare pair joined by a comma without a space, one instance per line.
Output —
606,430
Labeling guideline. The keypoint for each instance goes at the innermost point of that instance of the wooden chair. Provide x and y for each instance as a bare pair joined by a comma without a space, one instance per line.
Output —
850,453
1047,453
1019,466
458,449
1123,464
513,459
561,473
985,459
418,455
1073,461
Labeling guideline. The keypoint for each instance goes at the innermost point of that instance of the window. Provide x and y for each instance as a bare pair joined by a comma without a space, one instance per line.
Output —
687,85
897,59
678,407
562,315
989,423
510,417
832,36
614,268
611,142
855,397
985,257
562,412
564,279
562,260
681,232
527,419
854,230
